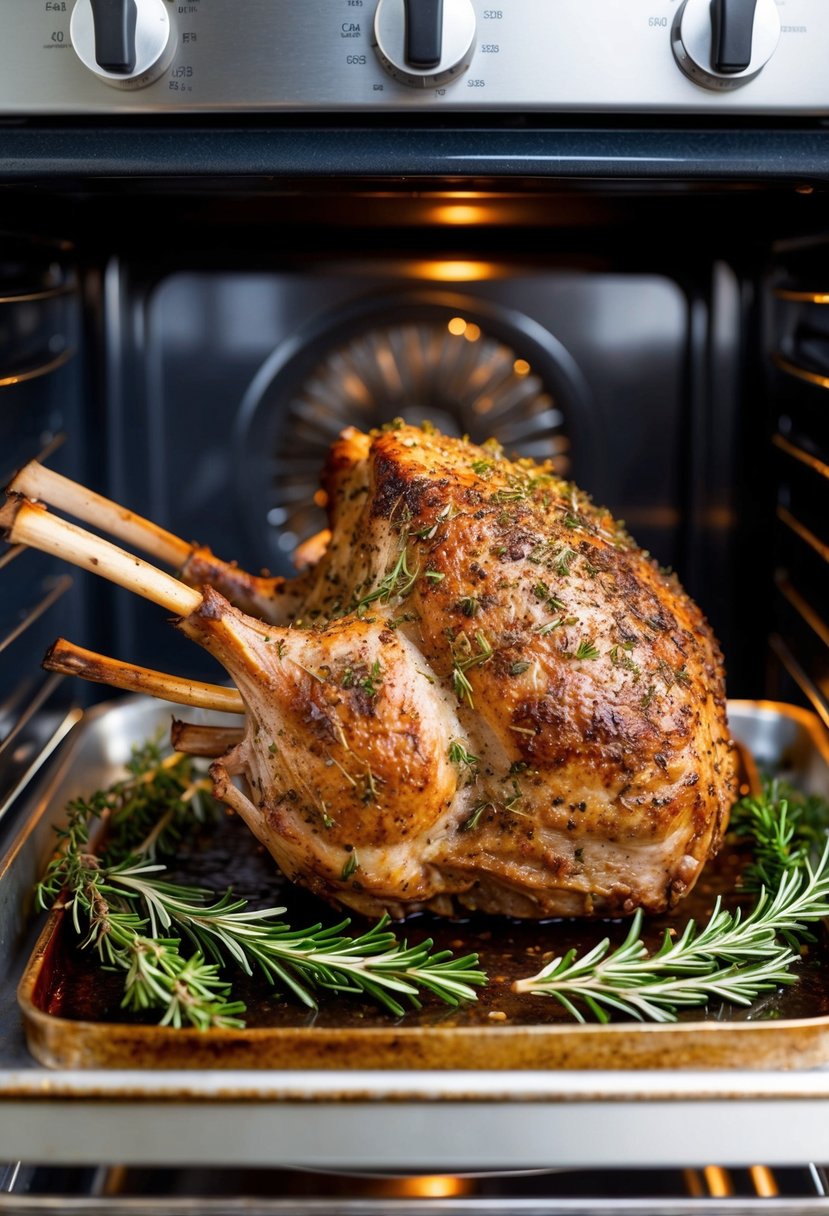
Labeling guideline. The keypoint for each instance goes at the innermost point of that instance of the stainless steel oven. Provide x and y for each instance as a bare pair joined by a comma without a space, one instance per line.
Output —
597,231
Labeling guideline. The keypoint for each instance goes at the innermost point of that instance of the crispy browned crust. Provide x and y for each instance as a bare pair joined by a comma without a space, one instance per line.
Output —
523,624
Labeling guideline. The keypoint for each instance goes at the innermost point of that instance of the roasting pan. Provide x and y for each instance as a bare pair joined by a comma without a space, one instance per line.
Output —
403,1068
73,1019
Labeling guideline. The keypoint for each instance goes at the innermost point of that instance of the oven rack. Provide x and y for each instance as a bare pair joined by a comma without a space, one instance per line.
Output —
799,340
32,723
675,1192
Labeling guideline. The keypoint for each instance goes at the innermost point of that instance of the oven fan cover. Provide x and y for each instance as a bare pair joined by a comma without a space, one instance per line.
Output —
466,366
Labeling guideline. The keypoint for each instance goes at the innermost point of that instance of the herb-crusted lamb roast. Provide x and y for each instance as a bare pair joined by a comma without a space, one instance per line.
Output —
483,695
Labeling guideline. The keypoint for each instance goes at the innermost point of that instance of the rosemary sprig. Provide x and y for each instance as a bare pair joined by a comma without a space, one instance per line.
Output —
731,958
299,960
189,990
783,825
123,907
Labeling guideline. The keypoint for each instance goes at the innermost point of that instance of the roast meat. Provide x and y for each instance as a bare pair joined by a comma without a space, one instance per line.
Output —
483,695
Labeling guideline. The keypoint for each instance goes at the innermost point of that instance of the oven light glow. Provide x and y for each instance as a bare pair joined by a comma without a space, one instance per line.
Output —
472,332
435,1186
459,213
521,367
763,1181
457,326
456,272
718,1181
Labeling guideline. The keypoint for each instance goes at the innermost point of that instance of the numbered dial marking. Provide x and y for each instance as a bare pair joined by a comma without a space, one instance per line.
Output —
126,43
723,44
424,45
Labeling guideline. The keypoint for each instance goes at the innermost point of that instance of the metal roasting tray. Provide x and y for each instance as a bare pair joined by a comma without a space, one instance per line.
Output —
681,1097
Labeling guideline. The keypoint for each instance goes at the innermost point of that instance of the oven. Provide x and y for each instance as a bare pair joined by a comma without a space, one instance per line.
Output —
595,231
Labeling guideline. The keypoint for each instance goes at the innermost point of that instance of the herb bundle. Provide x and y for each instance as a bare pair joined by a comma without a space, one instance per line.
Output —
732,957
124,908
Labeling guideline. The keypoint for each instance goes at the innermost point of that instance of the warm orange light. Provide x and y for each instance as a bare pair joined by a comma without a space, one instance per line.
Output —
764,1181
463,195
459,213
457,326
321,498
435,1186
718,1181
521,367
455,272
472,332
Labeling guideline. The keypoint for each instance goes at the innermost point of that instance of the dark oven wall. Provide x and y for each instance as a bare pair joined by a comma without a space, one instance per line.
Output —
224,337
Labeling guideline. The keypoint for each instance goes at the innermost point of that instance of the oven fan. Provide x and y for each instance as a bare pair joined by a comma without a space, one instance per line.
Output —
451,367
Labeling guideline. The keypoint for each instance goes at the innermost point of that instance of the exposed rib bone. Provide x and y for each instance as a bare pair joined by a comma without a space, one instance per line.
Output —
36,481
31,524
196,564
70,659
196,739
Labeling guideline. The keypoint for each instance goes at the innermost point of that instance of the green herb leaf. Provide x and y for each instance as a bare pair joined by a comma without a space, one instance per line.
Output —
586,650
124,908
398,582
459,755
730,958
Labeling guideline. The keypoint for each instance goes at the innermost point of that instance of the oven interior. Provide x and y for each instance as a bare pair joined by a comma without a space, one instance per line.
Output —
190,353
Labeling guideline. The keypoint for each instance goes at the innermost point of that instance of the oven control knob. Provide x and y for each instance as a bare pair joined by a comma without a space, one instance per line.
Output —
722,44
424,43
126,43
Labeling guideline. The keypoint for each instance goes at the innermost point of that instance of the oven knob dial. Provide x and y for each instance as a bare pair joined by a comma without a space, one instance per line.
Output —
424,43
722,44
126,43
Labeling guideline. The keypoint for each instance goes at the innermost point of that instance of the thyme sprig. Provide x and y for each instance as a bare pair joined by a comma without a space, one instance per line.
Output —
123,906
732,957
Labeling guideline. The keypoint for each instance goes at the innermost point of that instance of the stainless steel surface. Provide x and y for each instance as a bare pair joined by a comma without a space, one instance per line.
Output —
691,38
154,43
574,55
456,51
418,1120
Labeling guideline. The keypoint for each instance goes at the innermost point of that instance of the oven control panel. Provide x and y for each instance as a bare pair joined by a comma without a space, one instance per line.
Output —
602,56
